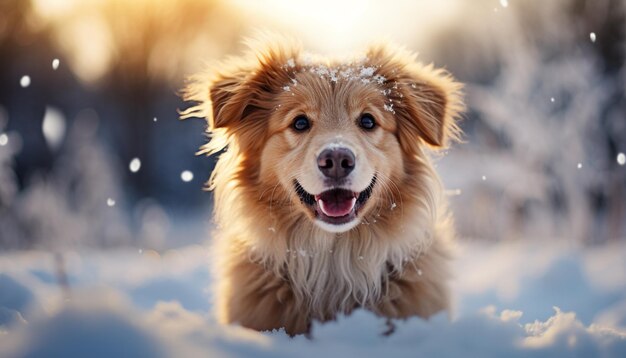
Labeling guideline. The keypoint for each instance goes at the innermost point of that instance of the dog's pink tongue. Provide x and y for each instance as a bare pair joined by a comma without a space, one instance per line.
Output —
336,204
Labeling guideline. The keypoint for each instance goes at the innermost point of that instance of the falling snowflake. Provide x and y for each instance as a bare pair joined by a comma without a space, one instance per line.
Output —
110,202
580,165
504,3
135,165
25,81
592,37
186,176
4,139
154,119
53,127
484,177
552,99
621,158
55,64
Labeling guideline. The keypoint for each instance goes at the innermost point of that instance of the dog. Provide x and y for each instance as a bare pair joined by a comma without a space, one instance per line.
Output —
326,199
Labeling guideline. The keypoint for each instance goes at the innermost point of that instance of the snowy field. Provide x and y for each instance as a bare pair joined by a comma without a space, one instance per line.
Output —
512,299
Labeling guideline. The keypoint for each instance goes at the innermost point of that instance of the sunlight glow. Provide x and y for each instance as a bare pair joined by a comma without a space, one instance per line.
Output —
89,45
139,36
52,8
342,26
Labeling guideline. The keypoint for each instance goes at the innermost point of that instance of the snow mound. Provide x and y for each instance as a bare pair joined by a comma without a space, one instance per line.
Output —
105,325
129,303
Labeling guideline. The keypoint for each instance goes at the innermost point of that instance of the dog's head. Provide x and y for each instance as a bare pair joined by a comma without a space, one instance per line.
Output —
335,138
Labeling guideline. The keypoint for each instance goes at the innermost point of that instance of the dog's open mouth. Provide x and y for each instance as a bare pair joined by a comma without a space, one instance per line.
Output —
335,206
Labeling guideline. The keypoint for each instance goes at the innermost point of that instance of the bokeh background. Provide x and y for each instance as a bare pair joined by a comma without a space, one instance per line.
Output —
92,152
105,227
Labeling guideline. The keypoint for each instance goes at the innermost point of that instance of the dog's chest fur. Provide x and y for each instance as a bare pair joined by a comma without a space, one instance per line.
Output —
336,272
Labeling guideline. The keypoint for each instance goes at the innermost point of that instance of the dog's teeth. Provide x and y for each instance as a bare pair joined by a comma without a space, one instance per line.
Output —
322,206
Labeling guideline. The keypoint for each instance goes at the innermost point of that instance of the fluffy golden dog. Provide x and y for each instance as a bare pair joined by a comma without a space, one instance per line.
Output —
325,197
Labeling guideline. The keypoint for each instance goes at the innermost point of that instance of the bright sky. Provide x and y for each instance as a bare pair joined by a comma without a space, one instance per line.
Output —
337,27
345,25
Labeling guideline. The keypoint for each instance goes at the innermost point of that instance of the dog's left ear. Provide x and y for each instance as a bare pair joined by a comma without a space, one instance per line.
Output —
426,101
430,104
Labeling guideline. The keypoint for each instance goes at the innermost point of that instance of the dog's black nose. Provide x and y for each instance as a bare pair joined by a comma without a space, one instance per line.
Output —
336,163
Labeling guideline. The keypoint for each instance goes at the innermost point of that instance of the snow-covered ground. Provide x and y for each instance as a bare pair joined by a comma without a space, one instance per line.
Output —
512,299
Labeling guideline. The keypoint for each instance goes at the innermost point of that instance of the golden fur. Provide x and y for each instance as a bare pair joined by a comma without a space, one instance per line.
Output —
274,266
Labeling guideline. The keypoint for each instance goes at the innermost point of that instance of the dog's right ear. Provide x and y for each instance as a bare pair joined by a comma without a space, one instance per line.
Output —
228,105
237,96
219,97
240,89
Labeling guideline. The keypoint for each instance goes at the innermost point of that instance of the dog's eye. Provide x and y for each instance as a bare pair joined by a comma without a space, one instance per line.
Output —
367,121
301,123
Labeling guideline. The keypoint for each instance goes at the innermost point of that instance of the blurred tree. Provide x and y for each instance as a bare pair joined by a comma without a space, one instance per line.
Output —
543,96
136,53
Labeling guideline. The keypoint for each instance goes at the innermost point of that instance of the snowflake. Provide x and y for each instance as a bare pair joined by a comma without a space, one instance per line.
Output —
25,81
134,165
379,79
367,72
592,37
